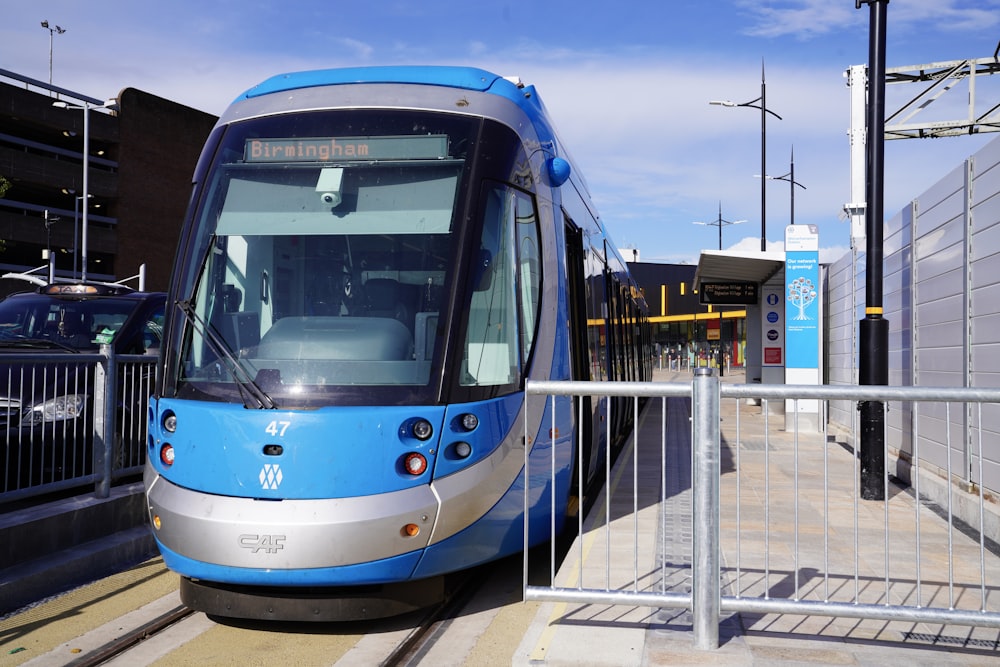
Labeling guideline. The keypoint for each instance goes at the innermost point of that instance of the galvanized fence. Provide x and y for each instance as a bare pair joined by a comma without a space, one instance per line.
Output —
715,508
72,420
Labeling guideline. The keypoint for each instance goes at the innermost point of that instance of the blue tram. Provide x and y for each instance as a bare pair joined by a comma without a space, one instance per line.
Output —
373,263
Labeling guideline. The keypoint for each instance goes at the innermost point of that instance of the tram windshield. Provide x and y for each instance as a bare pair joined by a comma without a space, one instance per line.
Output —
329,246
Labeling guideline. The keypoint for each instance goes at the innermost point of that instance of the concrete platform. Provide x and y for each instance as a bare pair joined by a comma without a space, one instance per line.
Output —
55,546
581,634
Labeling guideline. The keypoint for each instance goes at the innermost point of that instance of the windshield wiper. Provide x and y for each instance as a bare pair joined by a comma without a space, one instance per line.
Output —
247,385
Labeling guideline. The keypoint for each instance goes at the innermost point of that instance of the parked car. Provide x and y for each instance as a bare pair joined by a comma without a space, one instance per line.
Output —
46,405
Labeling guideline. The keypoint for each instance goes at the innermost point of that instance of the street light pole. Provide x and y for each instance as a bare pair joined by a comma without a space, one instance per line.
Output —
719,223
86,107
50,258
86,191
76,229
52,31
753,104
790,179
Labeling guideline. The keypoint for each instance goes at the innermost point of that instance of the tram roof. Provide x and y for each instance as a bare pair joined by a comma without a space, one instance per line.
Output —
466,78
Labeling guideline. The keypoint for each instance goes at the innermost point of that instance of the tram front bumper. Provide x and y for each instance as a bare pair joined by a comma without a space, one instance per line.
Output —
233,532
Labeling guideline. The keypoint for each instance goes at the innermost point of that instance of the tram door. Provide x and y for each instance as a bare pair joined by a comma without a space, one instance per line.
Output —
579,344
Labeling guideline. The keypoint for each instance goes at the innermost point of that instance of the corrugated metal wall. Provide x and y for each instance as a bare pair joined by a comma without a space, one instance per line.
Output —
942,300
843,312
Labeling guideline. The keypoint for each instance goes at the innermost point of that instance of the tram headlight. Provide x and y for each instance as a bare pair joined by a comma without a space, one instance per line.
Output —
422,429
469,421
462,450
169,422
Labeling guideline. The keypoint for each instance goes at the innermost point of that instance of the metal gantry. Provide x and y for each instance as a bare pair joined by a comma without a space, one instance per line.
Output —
938,79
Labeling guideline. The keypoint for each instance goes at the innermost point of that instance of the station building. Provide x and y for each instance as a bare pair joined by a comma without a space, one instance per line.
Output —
141,154
686,327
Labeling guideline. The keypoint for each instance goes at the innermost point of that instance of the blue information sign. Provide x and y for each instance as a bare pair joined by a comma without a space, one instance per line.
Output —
802,298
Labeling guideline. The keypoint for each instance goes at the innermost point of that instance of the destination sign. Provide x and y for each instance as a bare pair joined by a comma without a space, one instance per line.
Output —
738,293
339,149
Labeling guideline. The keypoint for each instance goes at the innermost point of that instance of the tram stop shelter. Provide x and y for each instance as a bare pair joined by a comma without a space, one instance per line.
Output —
757,280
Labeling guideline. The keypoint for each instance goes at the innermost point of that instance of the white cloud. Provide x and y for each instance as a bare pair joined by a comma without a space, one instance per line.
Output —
356,49
947,15
803,19
807,19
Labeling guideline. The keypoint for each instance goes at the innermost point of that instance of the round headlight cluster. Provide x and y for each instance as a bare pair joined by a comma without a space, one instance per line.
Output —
415,463
468,422
168,420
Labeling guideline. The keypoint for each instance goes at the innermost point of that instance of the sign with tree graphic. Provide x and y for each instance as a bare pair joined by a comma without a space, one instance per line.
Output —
801,293
802,296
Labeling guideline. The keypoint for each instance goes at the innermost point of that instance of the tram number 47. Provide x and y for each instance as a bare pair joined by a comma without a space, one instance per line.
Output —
277,428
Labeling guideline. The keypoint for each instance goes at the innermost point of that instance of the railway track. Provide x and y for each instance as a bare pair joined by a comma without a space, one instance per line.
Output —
416,644
407,652
123,644
136,618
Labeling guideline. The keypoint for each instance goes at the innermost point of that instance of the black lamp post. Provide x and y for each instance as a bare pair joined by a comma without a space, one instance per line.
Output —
790,179
759,103
719,222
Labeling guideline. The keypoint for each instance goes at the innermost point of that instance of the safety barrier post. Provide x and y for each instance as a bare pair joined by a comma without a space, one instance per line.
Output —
105,391
706,442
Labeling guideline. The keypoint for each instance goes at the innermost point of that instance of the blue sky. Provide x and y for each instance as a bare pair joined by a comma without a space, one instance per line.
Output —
628,84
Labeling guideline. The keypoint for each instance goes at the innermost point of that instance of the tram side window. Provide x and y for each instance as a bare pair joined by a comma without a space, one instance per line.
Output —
503,309
530,270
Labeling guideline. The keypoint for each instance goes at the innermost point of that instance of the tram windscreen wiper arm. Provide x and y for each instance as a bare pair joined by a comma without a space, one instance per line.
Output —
236,369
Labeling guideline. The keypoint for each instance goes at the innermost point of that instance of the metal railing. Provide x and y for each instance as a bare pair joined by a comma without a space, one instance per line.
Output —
72,420
772,520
